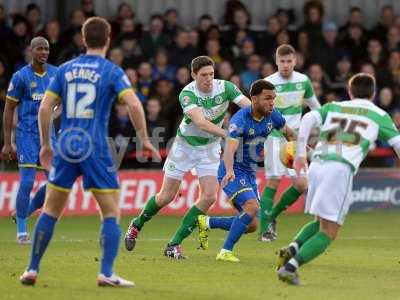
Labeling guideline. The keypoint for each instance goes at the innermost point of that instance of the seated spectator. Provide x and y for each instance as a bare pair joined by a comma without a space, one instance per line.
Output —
393,39
154,38
375,54
386,20
386,100
267,69
213,50
252,73
342,76
355,41
145,80
120,127
181,51
133,78
224,70
300,63
131,50
313,15
171,25
182,79
283,37
76,20
124,11
316,74
318,91
128,25
303,45
52,34
34,19
157,126
116,56
247,49
17,42
394,70
356,18
161,67
87,7
268,44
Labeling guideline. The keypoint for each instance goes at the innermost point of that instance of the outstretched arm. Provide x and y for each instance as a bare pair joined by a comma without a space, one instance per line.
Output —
197,116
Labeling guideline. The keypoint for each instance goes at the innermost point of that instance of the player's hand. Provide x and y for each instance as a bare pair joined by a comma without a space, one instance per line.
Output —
8,152
149,147
299,164
46,157
229,176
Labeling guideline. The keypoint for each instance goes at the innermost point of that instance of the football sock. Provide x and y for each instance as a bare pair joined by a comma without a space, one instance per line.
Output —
306,232
150,210
239,226
224,223
266,203
37,200
288,198
41,237
109,242
27,177
187,225
314,246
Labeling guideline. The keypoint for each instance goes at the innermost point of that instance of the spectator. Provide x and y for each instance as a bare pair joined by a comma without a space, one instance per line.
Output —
394,70
205,22
182,79
241,22
75,49
267,69
87,7
325,53
252,73
154,38
171,23
286,18
194,40
247,49
157,126
386,100
268,43
318,91
356,18
375,54
145,80
116,56
213,50
52,34
124,11
33,17
386,20
161,66
303,46
133,78
342,75
300,63
231,6
313,14
182,52
355,42
120,129
18,41
316,74
283,37
77,18
128,25
131,51
393,39
224,70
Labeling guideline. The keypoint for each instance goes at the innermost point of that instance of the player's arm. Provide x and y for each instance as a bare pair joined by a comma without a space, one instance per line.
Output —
309,97
389,133
47,105
244,101
308,122
8,117
236,95
288,133
197,116
231,145
137,117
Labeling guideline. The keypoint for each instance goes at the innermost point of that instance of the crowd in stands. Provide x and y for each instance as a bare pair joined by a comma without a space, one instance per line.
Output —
156,55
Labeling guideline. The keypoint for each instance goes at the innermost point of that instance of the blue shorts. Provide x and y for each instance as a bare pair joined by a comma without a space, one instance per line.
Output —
28,149
99,174
242,189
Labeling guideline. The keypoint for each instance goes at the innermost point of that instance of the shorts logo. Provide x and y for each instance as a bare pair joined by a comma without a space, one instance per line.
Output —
10,87
171,166
232,127
33,84
185,100
242,181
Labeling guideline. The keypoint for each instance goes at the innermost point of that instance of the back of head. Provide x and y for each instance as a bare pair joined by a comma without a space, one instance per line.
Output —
259,85
362,86
96,33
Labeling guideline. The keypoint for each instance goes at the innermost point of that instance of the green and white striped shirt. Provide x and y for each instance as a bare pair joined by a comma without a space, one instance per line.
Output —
214,106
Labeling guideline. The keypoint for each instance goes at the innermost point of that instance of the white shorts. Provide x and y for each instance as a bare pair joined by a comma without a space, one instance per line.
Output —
182,157
329,190
272,163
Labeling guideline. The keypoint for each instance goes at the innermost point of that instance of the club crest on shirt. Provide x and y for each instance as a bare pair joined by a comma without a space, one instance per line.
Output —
33,84
232,127
242,181
299,86
218,100
269,127
251,131
185,100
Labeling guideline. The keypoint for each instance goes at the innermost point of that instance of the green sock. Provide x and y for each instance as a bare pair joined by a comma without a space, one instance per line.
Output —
151,209
315,246
266,203
187,226
306,232
288,198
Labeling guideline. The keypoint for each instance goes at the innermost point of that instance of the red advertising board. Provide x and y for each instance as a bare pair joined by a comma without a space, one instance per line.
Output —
136,188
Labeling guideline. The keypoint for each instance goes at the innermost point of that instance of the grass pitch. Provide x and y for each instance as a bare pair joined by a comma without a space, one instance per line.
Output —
363,263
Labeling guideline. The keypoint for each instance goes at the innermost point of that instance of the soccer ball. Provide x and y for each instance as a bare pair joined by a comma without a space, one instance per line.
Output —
287,154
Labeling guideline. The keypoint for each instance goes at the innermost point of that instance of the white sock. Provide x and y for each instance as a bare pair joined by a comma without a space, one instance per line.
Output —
293,262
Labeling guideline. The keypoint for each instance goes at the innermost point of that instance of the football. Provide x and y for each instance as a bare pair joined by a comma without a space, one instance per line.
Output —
287,154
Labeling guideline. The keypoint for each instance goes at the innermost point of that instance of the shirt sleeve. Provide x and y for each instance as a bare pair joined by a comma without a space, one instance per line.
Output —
55,87
309,91
322,112
388,131
188,100
16,88
121,83
236,126
233,93
278,121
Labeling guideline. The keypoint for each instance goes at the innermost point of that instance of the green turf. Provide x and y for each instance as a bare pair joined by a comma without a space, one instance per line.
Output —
362,264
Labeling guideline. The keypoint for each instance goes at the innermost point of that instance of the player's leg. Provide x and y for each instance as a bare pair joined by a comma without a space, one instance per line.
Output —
266,205
27,178
43,232
241,223
169,189
110,234
208,194
38,199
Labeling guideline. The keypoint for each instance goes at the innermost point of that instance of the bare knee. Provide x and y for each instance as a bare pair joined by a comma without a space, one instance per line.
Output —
273,183
330,228
252,226
300,184
164,197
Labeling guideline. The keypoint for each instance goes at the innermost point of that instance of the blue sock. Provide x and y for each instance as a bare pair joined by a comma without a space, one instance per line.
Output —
37,201
224,223
41,237
26,177
109,242
239,226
